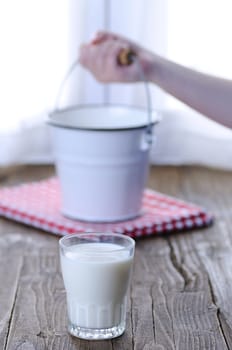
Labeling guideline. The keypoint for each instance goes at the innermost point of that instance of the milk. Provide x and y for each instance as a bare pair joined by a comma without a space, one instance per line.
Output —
96,278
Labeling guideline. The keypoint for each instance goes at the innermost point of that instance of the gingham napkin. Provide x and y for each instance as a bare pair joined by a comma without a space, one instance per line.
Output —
38,204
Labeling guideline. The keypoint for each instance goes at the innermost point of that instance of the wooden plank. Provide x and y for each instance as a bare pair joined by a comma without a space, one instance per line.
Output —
9,276
214,246
39,303
22,173
218,264
142,318
185,316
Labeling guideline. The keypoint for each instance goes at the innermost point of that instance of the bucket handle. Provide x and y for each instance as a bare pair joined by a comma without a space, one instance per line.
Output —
126,57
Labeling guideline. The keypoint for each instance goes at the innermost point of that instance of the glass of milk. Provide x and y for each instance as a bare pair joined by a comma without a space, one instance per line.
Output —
96,270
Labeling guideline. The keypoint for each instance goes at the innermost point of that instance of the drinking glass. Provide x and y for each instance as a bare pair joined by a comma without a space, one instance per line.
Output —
96,269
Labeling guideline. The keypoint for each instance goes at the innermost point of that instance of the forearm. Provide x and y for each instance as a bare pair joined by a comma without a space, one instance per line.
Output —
209,95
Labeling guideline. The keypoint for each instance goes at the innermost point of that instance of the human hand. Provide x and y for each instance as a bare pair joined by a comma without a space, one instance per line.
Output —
100,57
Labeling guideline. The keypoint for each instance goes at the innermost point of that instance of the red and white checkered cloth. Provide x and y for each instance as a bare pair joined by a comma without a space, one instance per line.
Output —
38,204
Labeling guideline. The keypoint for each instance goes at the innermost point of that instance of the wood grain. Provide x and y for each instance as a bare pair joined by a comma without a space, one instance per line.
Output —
181,290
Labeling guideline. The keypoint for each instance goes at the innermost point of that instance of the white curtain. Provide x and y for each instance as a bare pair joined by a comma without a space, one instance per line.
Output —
34,37
40,39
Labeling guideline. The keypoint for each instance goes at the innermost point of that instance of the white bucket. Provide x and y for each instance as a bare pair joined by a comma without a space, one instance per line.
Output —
102,160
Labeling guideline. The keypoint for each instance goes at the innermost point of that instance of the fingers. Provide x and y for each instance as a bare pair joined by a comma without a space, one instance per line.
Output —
89,53
100,57
101,36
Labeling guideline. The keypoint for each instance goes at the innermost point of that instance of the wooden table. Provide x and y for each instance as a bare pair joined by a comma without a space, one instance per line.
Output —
181,294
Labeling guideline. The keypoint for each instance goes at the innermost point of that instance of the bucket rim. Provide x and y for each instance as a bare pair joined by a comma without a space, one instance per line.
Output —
156,117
